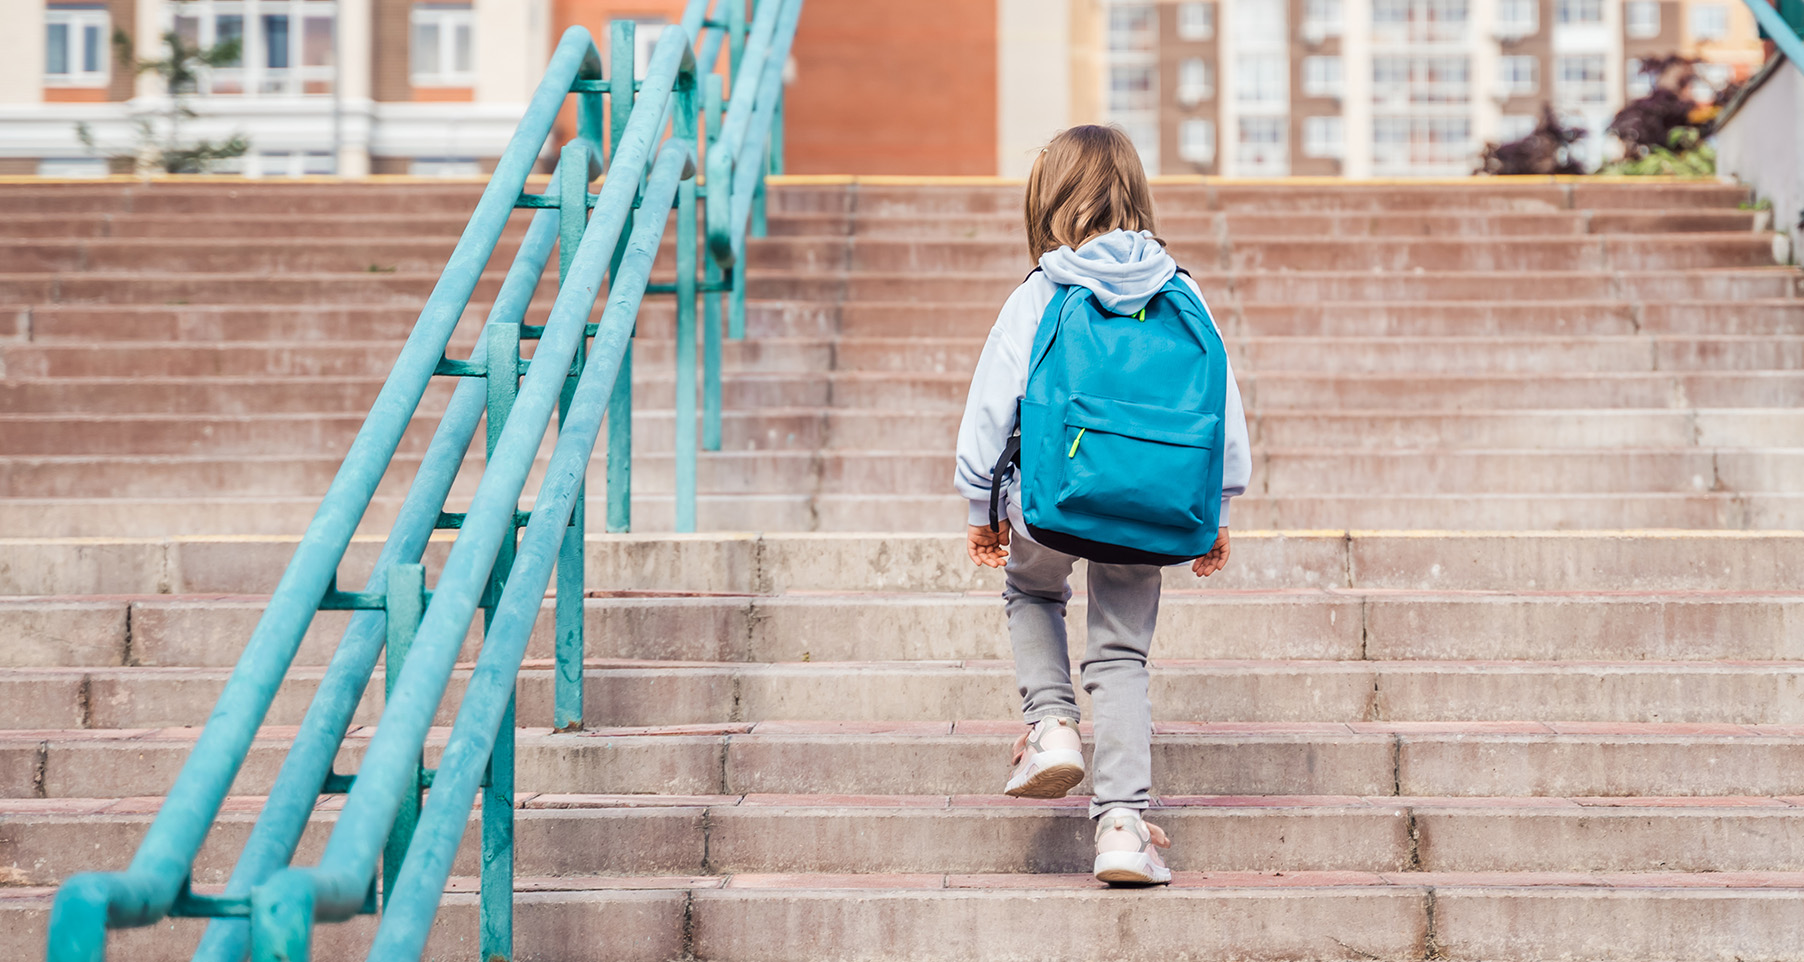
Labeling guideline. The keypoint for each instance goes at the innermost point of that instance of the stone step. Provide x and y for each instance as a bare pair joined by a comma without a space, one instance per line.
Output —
1277,472
1262,392
1252,287
1351,355
261,322
1644,252
1467,759
671,694
576,835
777,563
792,429
1366,627
212,514
1173,197
1202,916
448,226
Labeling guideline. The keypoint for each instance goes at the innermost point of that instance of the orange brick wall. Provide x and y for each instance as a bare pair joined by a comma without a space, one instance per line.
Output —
881,88
894,88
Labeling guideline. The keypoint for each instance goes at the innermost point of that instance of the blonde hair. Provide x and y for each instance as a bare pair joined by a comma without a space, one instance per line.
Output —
1086,182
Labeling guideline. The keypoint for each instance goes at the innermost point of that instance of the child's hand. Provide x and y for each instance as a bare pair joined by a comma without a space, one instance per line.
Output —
1215,560
986,547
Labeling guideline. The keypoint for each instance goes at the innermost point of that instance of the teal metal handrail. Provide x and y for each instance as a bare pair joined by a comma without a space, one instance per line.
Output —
1784,35
268,907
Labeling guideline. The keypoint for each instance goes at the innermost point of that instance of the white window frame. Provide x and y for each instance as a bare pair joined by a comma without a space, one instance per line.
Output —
1420,21
1695,15
76,22
253,75
1426,145
1514,127
1510,79
1518,18
1261,80
1420,82
1324,136
1636,83
73,168
1196,21
445,167
1139,37
1322,76
1321,20
1128,98
1589,87
1196,140
1196,80
1641,18
1578,11
1275,152
447,19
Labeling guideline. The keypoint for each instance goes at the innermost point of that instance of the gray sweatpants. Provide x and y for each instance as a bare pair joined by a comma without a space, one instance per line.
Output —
1124,604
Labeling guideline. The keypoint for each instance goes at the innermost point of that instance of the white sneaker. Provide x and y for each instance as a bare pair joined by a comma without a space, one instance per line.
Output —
1127,849
1048,762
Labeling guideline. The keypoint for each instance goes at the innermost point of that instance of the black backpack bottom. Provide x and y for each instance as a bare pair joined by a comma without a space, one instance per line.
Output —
1101,552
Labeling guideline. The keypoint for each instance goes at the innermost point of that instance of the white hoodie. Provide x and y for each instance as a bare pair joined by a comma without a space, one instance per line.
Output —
1124,270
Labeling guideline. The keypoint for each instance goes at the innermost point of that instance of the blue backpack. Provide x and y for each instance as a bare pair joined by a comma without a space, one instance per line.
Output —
1120,440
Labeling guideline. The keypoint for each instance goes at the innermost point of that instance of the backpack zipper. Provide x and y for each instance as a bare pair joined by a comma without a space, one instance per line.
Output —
1074,442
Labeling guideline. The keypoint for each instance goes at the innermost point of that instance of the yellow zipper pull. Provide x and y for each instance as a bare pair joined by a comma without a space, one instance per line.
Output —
1141,317
1074,442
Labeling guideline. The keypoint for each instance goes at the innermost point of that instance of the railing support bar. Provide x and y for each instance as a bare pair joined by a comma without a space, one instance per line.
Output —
567,700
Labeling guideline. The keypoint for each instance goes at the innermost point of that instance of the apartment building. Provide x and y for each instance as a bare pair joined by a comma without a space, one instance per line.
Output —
1388,88
320,87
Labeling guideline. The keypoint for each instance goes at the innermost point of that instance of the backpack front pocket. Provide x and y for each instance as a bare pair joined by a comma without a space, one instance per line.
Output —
1139,462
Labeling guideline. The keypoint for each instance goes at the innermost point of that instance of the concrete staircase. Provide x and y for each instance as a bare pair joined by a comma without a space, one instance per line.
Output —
1452,699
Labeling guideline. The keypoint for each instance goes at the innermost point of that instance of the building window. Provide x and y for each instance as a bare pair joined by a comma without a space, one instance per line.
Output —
1196,80
69,168
292,163
1259,80
75,46
1321,19
1421,145
1579,11
1260,22
445,167
1580,79
1518,18
1637,81
1419,20
1196,141
1514,127
1323,137
286,44
1321,76
1196,21
444,52
1421,80
1261,149
1709,21
1132,87
1641,18
1133,29
1518,76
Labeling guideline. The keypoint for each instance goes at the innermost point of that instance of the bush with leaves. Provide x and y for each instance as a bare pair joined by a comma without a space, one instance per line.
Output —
1685,155
180,69
1546,150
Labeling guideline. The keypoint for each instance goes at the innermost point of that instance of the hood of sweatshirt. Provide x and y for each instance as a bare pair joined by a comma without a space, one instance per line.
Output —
1123,269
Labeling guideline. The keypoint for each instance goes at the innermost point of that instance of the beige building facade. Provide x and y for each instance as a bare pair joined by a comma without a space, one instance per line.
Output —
1387,88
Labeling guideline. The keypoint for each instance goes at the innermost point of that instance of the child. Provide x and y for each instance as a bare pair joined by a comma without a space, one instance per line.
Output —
1089,225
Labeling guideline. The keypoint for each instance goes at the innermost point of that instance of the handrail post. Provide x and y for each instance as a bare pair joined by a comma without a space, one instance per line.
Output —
687,127
713,106
759,227
621,72
497,898
406,603
282,918
567,701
